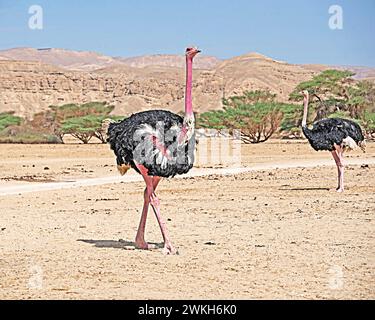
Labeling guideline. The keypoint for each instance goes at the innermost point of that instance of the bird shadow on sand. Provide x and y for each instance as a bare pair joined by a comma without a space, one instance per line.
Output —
305,189
119,244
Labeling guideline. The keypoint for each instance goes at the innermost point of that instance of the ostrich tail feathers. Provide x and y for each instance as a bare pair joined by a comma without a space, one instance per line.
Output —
349,144
123,168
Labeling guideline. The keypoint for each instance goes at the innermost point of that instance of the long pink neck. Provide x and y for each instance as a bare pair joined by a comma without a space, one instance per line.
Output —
305,110
189,83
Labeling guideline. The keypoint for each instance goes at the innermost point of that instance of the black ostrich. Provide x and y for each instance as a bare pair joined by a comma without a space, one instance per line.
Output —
157,144
335,135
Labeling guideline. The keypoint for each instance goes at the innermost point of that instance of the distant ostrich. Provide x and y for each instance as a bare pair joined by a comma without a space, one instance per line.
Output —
156,143
335,135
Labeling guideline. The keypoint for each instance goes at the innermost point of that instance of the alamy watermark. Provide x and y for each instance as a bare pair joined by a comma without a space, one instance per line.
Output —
36,19
176,147
35,280
336,278
336,19
218,148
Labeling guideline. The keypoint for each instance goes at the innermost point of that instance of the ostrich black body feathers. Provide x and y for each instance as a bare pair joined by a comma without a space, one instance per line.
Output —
150,138
327,133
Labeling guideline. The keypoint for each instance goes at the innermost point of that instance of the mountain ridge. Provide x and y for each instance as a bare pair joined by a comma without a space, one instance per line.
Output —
28,87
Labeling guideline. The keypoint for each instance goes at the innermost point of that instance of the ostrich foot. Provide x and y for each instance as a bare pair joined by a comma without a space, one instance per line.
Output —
142,244
338,189
169,250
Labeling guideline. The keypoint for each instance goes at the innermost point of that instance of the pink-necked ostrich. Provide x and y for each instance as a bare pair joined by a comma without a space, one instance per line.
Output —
157,144
335,135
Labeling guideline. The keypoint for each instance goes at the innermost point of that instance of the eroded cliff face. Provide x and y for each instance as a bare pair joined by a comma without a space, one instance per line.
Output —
30,87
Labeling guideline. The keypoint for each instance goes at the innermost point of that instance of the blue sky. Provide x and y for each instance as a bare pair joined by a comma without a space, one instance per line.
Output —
292,30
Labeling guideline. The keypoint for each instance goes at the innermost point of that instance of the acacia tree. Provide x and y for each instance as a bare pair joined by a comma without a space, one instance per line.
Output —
257,122
64,112
255,114
9,119
329,83
82,128
86,127
52,120
368,121
330,91
361,99
249,98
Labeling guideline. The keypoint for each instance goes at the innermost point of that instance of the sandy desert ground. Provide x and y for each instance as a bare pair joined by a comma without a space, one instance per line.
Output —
274,232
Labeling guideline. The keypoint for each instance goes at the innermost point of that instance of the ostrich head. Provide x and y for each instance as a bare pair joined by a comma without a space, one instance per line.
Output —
191,52
305,94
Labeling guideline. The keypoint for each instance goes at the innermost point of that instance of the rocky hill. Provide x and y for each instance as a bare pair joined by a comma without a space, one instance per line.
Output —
88,61
254,71
170,60
30,87
27,87
68,59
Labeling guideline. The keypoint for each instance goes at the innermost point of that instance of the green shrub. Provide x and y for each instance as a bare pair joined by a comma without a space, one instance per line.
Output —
292,117
328,82
28,137
51,121
368,122
255,114
8,119
86,127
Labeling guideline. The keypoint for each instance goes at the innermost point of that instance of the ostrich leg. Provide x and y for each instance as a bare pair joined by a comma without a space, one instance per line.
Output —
151,198
340,153
338,156
155,203
140,237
